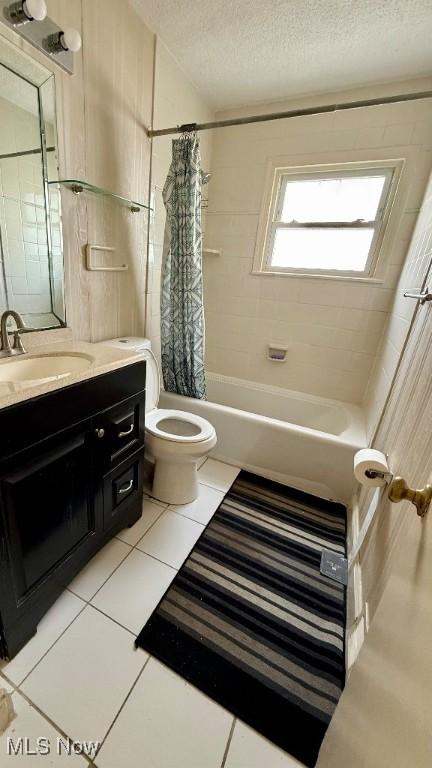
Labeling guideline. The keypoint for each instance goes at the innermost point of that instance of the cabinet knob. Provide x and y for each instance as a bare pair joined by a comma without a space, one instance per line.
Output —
100,433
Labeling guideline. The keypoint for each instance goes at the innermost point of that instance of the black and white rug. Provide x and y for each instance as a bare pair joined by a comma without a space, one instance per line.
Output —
250,620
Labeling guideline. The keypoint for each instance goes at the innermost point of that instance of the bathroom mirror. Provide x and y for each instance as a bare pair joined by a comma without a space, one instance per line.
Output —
31,253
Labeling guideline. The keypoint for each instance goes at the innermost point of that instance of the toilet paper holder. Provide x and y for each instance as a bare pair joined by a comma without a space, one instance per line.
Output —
399,490
376,473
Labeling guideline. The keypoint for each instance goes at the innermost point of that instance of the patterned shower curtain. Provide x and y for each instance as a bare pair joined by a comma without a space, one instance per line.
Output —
182,311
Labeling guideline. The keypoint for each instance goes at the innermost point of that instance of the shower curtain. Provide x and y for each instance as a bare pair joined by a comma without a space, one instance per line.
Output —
181,306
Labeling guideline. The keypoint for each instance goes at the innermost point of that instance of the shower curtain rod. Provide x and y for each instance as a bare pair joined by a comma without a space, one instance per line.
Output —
291,113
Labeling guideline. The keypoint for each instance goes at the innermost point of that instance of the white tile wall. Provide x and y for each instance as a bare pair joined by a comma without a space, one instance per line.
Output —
22,218
332,328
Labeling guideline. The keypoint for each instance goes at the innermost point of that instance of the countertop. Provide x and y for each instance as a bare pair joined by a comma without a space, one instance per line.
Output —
102,359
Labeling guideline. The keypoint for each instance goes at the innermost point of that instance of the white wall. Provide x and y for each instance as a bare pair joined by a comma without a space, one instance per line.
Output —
103,110
402,312
107,106
332,328
175,102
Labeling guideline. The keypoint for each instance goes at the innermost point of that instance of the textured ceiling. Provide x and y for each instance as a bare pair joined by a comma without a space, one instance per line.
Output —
241,51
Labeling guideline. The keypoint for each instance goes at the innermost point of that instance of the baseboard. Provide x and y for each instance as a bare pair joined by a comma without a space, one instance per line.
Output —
355,576
355,639
356,629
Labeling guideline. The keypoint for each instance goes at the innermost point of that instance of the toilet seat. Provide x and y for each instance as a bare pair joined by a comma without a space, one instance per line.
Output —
176,441
205,430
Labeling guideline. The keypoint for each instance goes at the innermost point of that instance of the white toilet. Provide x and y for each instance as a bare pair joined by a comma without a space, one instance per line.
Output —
177,440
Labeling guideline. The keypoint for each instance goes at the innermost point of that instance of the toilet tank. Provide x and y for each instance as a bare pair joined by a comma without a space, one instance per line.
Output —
153,378
132,343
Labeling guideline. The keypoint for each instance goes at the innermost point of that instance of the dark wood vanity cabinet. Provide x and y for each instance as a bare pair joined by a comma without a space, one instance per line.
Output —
71,476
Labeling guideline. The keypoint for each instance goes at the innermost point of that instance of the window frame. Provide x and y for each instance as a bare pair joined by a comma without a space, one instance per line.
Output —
279,176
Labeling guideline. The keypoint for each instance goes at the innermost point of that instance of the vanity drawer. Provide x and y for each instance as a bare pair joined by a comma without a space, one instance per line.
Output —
122,487
120,431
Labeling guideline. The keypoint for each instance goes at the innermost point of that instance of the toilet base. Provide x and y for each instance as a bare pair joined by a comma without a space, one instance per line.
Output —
174,482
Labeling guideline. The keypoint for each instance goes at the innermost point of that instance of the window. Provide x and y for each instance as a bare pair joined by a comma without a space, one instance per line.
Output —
326,222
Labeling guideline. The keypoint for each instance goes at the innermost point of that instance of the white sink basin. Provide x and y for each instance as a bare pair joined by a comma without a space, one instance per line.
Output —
22,372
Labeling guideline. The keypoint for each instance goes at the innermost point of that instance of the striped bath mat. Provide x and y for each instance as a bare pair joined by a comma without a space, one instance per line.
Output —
250,620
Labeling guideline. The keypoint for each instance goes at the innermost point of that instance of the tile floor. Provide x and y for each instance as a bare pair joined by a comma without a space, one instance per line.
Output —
80,677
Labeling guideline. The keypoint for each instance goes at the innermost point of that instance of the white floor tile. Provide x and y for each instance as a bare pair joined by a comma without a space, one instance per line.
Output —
98,570
29,724
250,750
84,679
218,475
51,626
203,509
151,498
166,723
151,512
171,538
134,590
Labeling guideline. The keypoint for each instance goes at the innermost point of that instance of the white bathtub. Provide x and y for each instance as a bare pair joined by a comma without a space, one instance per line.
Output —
304,441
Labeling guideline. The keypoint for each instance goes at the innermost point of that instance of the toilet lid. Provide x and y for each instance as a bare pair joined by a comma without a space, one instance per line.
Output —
178,426
153,382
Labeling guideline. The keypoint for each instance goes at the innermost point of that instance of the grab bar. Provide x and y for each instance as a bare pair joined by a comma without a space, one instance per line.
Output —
421,297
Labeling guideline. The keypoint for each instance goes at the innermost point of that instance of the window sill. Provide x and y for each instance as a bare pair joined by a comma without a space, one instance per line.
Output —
318,276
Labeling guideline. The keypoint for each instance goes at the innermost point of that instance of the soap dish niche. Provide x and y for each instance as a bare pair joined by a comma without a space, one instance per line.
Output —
212,252
277,353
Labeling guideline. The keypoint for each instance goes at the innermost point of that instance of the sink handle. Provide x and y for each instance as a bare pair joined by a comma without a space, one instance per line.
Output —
17,344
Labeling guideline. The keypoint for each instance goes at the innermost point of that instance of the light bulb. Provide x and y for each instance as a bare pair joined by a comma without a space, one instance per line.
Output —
35,10
70,40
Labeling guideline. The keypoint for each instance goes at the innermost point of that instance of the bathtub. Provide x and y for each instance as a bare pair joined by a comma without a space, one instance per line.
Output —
301,440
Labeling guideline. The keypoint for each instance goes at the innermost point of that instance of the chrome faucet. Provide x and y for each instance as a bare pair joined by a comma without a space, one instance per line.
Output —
5,347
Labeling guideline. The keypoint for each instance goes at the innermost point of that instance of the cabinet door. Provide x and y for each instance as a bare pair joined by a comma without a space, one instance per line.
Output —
47,505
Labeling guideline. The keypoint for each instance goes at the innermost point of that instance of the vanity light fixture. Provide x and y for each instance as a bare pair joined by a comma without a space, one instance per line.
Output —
59,43
65,40
24,11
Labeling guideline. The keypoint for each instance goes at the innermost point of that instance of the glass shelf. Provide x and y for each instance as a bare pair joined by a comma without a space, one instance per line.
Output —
78,187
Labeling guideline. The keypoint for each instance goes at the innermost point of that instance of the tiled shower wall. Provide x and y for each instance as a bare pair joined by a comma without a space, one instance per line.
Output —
175,102
22,213
332,328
